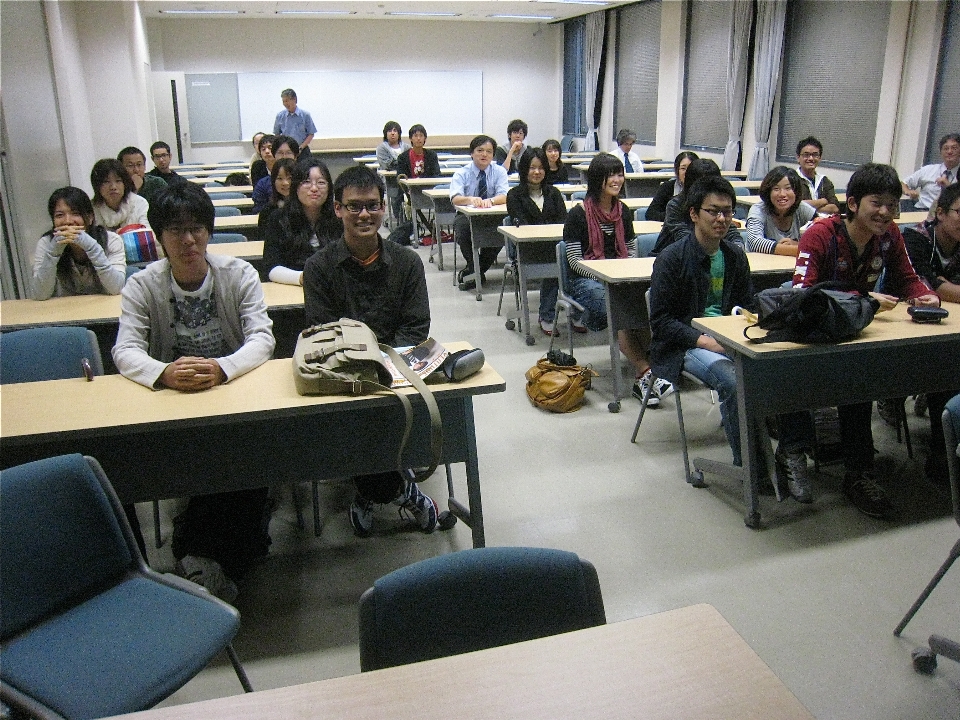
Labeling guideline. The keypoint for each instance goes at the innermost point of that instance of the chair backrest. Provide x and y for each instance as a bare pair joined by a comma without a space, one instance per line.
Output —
213,183
230,196
952,443
48,353
645,243
228,238
563,266
62,540
566,142
226,211
475,599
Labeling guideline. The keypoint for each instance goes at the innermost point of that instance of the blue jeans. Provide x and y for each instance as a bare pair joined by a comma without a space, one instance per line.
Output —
953,406
549,289
591,294
717,372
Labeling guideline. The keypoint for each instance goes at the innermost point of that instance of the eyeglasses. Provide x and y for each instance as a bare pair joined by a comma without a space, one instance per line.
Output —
719,213
159,156
179,232
357,208
307,184
810,156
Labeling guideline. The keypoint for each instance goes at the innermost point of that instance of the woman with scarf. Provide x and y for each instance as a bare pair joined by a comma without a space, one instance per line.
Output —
602,228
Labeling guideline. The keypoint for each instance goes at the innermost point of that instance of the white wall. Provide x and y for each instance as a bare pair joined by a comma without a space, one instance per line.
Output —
521,73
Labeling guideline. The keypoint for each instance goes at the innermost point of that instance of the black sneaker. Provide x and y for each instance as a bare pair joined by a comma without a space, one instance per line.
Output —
642,387
862,490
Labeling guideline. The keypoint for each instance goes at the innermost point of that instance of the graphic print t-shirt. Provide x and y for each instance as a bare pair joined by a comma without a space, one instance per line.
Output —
197,322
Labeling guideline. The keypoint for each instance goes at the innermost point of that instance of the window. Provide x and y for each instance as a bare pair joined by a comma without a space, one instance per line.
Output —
946,98
638,70
705,76
832,70
573,40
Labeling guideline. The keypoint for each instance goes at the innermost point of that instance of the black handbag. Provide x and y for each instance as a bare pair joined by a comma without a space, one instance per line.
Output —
817,314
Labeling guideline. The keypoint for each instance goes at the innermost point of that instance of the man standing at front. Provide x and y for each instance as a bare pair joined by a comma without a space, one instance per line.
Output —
294,122
383,285
190,322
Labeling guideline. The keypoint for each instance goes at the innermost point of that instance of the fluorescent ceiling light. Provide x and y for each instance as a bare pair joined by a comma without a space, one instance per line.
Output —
411,13
523,17
316,12
202,12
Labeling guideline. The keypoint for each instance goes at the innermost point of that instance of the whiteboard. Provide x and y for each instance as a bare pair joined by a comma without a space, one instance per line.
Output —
213,99
359,103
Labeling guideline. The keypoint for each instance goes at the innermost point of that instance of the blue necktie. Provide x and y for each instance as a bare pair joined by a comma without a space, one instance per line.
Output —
626,163
482,185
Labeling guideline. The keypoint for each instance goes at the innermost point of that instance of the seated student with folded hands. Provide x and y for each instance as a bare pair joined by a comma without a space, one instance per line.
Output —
775,224
135,162
77,256
190,322
816,189
857,250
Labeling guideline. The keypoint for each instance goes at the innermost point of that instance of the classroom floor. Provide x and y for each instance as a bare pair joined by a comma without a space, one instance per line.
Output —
816,593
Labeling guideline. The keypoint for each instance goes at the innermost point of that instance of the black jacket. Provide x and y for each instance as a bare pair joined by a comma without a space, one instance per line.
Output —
431,164
657,210
286,238
679,288
524,211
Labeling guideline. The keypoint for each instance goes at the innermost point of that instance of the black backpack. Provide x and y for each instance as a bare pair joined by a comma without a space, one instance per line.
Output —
817,314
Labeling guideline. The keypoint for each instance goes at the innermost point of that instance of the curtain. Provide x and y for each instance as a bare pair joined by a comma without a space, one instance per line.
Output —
771,18
737,80
593,49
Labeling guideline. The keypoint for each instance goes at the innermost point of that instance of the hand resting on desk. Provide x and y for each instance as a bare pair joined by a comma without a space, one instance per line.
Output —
191,374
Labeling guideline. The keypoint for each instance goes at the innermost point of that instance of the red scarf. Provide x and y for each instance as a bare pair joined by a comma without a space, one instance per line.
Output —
596,215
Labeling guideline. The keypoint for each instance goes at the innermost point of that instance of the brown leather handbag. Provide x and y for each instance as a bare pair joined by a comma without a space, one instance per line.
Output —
558,388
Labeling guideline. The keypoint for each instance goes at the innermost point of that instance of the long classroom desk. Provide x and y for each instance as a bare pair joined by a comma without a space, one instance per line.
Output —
101,313
645,184
892,357
246,433
617,275
683,663
536,258
245,224
419,201
242,203
214,191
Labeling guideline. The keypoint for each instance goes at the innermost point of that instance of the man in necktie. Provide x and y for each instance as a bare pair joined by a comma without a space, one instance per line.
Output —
631,161
481,184
924,186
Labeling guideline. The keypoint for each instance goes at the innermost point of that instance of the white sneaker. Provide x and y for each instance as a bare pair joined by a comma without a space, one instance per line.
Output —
208,574
641,386
662,388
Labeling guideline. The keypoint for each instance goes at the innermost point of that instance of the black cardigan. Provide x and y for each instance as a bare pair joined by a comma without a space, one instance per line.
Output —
431,164
524,211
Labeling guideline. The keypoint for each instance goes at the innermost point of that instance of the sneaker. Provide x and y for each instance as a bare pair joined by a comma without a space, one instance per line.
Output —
579,327
208,574
421,506
662,388
361,516
792,468
641,386
888,411
862,490
548,327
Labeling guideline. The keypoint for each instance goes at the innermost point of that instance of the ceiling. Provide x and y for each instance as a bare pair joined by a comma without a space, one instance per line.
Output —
533,11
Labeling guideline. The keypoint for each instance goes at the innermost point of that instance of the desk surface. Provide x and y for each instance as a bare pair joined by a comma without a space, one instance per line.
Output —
244,202
685,663
892,328
268,391
424,182
544,233
235,222
640,269
250,250
105,309
245,189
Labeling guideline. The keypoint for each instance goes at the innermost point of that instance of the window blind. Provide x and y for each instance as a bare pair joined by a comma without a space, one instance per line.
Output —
945,115
573,40
638,70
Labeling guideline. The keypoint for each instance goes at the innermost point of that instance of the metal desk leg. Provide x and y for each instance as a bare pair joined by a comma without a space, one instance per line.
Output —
473,514
615,371
748,446
524,300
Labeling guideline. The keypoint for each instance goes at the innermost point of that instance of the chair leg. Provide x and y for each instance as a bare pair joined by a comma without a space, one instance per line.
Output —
157,539
902,420
954,554
317,526
238,669
643,409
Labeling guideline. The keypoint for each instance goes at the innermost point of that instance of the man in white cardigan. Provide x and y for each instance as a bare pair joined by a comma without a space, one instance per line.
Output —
190,322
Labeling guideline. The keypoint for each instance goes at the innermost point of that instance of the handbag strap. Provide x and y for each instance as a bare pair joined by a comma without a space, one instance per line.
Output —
436,427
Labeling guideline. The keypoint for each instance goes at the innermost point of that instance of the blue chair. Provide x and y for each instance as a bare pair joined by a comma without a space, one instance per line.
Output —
645,243
86,628
473,600
511,269
48,353
226,211
565,300
566,142
213,183
925,660
228,238
230,196
640,214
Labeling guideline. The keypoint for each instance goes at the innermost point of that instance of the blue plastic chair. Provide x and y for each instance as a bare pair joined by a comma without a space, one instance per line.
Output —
86,628
565,300
228,238
230,196
473,600
48,353
226,211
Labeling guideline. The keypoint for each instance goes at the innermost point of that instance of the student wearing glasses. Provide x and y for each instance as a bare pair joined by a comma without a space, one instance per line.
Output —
924,186
816,190
135,163
382,284
306,223
508,156
160,154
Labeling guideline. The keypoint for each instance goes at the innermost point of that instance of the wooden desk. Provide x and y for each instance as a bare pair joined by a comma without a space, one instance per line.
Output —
616,275
536,257
249,251
245,202
245,189
419,201
645,184
237,222
684,663
892,357
246,433
912,218
444,213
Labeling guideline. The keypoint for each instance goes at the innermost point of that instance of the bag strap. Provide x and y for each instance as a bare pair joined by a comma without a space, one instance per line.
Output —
436,426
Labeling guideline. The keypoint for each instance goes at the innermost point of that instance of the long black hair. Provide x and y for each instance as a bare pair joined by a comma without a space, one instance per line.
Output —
601,167
296,225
